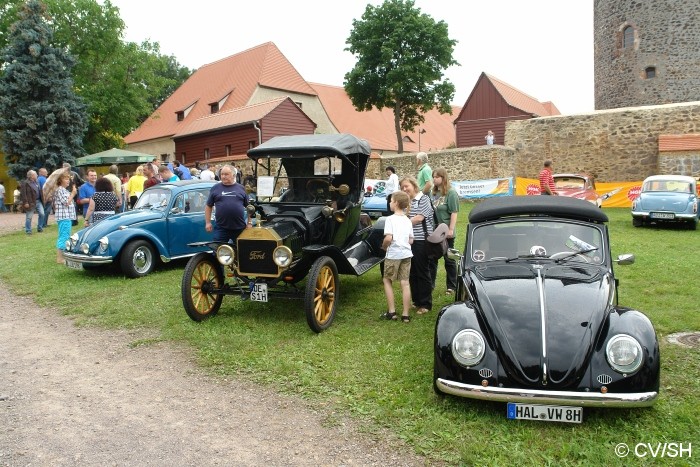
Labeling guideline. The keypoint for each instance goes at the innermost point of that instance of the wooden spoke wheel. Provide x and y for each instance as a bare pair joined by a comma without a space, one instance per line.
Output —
321,297
202,276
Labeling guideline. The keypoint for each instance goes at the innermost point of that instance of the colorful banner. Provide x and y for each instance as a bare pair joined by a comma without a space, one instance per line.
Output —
613,194
484,188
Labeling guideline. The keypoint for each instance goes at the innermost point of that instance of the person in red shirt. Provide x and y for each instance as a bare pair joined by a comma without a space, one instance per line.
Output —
547,186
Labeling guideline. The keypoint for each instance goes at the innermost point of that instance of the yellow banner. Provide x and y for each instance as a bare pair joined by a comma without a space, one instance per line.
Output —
614,194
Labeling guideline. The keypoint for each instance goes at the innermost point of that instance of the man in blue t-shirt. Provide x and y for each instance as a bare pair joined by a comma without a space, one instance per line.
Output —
230,200
86,191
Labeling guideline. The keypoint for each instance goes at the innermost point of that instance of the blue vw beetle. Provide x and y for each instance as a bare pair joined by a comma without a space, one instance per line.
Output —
164,220
667,198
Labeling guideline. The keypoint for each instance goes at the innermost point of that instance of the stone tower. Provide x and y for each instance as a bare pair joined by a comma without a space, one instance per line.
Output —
647,52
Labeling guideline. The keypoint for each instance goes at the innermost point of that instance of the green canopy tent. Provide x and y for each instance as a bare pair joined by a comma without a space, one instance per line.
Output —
114,156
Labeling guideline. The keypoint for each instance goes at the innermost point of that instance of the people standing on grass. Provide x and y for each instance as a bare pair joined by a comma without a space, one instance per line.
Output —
2,197
31,202
43,174
547,186
398,237
134,187
489,138
150,171
103,202
230,200
86,191
423,269
166,174
446,204
425,173
64,212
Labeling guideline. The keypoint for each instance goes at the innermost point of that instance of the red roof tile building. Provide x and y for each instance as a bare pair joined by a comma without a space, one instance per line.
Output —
228,106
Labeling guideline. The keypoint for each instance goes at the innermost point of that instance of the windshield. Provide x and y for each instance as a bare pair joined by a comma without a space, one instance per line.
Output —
677,186
308,180
552,239
155,198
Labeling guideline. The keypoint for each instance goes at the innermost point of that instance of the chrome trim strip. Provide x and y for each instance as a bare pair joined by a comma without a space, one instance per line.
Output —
540,287
684,216
87,259
536,396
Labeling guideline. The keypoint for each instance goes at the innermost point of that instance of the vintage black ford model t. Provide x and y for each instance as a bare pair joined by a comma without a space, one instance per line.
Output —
307,211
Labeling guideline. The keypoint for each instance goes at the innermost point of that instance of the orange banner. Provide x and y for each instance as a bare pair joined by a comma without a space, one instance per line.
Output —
614,194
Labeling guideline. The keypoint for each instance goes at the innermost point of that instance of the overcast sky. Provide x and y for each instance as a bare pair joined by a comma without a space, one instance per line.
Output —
544,48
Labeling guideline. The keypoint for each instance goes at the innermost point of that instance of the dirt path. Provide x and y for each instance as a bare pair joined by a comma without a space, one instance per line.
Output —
86,396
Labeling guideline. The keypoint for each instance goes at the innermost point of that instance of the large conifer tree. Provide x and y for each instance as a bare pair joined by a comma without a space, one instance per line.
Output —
42,119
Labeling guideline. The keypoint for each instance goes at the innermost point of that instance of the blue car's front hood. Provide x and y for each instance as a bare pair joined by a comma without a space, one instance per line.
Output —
113,223
544,320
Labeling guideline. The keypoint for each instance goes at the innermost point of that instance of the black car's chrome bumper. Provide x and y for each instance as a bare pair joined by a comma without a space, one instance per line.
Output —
87,259
537,396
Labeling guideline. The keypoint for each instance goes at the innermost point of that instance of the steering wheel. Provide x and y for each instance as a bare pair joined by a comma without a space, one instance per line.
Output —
563,254
319,189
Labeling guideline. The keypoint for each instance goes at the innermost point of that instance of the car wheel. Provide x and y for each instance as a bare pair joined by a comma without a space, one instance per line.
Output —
637,222
321,297
137,259
202,275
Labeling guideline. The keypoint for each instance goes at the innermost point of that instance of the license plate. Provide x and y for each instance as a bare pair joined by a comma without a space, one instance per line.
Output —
258,292
545,413
74,265
662,215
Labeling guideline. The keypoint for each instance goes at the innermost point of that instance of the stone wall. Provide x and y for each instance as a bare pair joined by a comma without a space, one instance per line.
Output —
666,40
613,145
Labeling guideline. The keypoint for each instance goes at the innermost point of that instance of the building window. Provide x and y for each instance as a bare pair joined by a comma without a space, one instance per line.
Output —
298,104
628,37
180,116
650,72
251,144
206,153
184,158
214,107
228,150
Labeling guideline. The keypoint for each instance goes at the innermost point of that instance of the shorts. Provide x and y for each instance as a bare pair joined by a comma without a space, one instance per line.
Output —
397,269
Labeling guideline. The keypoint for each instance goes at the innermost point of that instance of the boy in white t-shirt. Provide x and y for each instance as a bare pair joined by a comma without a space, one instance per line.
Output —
398,237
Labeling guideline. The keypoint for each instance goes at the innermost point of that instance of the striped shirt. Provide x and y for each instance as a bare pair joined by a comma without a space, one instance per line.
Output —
421,205
546,179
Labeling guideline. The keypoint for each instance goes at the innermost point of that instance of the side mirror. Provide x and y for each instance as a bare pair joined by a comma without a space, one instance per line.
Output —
625,259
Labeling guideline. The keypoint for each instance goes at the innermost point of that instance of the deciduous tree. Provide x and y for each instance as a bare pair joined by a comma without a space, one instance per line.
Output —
43,119
401,55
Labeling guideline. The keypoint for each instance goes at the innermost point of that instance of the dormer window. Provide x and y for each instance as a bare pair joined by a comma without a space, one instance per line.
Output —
182,114
214,108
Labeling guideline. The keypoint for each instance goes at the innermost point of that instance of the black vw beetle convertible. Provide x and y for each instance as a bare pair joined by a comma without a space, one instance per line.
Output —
307,211
535,322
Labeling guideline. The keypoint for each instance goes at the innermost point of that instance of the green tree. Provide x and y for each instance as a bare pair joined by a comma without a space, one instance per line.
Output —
122,83
42,117
401,55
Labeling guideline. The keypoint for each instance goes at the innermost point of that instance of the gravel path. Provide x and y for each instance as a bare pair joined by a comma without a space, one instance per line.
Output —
85,396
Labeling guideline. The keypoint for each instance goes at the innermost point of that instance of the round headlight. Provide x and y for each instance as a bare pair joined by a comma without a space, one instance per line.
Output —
225,254
624,354
282,256
85,248
104,243
468,347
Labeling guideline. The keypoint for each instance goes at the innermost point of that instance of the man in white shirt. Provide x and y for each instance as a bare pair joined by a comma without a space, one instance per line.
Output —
206,174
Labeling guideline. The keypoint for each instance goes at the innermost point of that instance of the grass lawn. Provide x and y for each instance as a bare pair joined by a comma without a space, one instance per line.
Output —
380,372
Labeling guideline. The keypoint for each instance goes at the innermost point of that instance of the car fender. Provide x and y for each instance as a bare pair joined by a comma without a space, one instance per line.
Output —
119,238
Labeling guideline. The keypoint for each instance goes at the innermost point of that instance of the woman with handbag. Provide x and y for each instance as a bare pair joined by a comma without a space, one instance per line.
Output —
446,204
423,269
